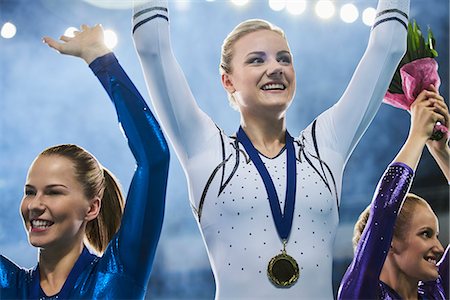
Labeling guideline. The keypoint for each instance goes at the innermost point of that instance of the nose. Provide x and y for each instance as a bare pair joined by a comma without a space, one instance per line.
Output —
36,204
438,247
274,69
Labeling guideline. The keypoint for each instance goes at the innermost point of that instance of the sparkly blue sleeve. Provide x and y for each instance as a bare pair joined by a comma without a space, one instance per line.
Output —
362,277
13,280
143,216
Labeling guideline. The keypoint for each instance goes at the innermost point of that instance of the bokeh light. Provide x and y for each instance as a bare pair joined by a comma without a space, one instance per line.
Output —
349,13
368,16
70,32
277,5
110,39
239,2
8,30
325,9
296,7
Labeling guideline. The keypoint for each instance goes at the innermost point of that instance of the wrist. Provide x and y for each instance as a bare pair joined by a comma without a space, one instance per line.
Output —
414,138
90,55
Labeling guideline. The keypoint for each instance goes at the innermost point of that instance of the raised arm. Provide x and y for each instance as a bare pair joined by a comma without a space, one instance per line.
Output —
186,125
142,220
362,277
352,114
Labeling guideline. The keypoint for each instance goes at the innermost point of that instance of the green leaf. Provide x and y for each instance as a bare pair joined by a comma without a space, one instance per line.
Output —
417,47
431,43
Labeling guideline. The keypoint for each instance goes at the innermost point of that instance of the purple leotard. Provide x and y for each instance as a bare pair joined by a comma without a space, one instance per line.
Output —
361,281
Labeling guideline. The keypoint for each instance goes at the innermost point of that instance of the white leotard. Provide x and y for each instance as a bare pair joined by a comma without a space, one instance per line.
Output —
225,190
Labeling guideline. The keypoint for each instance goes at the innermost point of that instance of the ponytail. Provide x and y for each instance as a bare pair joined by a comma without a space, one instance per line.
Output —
100,231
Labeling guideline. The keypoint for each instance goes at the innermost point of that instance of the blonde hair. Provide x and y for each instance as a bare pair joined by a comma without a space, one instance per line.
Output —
238,32
401,223
96,181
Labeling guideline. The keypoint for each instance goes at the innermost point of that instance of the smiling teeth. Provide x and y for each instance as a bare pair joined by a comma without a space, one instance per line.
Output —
431,260
40,224
273,86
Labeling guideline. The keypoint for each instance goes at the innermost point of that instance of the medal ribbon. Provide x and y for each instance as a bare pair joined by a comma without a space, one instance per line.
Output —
283,222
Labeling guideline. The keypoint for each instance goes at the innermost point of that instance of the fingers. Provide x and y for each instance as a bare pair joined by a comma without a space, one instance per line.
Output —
433,88
429,99
65,38
441,108
52,43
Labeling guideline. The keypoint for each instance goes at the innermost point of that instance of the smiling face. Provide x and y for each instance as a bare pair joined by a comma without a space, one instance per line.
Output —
262,77
418,250
54,208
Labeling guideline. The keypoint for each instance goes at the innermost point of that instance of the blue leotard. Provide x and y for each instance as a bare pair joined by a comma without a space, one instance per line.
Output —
124,268
361,281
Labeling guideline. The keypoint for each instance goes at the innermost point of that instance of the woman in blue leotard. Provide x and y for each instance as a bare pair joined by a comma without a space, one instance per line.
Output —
397,248
71,201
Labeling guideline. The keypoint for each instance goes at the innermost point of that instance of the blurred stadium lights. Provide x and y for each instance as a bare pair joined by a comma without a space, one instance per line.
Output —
239,2
110,39
112,4
349,13
368,16
70,32
325,9
277,5
296,7
8,30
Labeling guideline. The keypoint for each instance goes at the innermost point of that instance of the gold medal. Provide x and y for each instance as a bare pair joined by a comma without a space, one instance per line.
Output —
283,269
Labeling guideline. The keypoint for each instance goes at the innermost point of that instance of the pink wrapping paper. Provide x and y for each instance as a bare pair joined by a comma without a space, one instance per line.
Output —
416,76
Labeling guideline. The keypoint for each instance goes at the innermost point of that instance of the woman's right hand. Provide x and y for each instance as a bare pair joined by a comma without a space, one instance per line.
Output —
87,44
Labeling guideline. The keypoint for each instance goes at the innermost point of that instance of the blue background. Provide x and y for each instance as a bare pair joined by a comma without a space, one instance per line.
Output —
47,99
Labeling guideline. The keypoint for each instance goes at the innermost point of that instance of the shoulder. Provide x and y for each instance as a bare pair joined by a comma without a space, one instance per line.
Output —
7,266
13,279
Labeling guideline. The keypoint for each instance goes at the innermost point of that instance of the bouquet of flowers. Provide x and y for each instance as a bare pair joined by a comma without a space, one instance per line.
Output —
416,71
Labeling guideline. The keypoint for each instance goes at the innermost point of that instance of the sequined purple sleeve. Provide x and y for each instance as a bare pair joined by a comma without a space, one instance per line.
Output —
362,277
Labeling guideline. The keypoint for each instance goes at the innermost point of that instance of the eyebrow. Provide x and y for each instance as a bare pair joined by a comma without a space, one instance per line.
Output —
47,186
261,53
284,52
429,229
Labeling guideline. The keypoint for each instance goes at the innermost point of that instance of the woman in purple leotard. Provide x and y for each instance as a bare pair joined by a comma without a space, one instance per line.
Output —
398,255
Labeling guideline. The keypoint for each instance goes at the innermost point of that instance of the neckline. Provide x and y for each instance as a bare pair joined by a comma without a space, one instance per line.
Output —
276,156
80,265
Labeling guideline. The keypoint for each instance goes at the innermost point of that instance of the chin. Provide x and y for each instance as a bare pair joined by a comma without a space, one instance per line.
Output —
430,276
37,243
